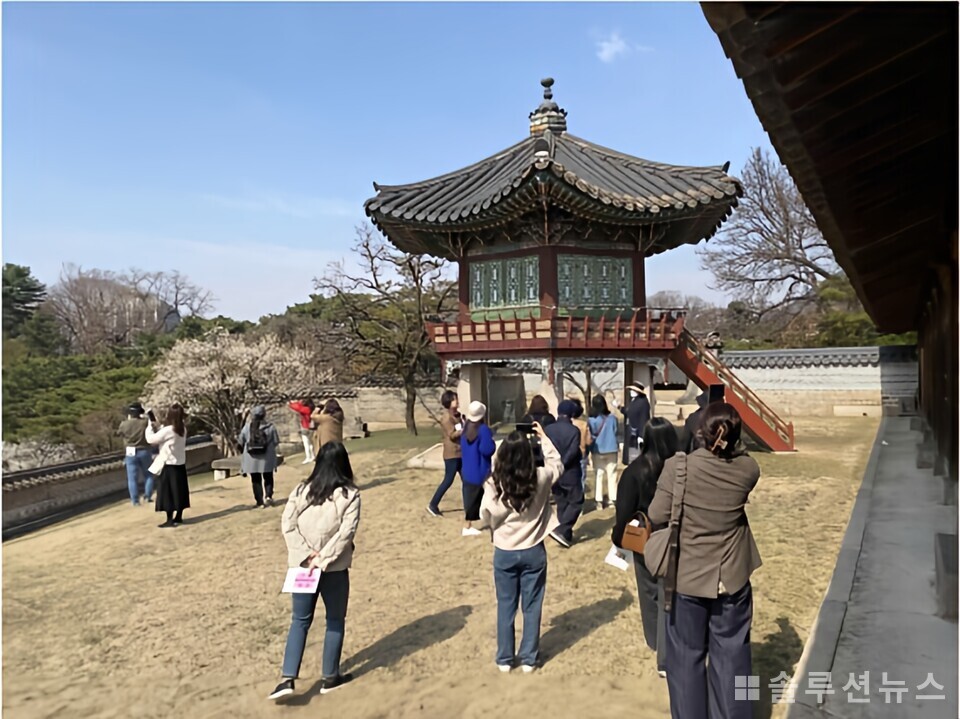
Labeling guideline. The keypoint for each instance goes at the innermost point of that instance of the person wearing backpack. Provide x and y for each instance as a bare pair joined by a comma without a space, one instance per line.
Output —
259,439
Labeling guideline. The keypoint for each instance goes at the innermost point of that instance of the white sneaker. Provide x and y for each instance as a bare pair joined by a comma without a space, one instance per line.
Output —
504,668
663,674
527,669
306,461
470,532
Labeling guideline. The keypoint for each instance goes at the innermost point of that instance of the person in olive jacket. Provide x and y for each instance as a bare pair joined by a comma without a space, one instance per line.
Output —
712,608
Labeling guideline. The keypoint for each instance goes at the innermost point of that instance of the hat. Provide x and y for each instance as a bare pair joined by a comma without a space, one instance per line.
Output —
135,408
567,408
259,411
476,411
636,387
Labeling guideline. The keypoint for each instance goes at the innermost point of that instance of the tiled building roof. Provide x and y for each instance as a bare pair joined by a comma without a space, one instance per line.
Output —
583,178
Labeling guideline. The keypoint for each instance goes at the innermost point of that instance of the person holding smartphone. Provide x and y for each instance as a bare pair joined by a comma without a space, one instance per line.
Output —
451,427
516,506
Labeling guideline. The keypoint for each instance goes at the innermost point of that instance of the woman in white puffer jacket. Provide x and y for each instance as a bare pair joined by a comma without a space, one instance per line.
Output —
319,524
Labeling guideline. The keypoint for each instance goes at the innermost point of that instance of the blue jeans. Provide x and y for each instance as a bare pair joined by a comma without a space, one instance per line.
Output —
335,590
583,465
521,578
450,469
136,464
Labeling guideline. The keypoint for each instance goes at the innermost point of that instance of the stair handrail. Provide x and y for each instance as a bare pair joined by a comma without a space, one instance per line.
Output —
729,378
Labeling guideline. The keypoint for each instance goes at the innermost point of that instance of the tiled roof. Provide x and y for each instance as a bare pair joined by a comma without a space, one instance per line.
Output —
586,179
825,357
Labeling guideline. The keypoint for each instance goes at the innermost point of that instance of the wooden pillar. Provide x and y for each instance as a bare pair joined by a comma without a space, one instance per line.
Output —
463,288
549,289
639,281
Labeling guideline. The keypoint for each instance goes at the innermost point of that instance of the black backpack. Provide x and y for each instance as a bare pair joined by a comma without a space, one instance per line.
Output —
257,441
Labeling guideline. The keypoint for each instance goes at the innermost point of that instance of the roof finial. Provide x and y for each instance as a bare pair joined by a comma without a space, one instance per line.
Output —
547,83
549,116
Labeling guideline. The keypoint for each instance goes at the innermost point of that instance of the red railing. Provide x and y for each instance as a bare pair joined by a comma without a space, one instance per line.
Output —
628,329
705,368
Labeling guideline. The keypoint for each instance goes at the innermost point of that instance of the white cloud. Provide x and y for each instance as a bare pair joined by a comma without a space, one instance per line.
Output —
299,207
612,47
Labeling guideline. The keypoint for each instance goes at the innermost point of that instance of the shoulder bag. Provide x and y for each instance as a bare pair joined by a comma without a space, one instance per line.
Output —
662,550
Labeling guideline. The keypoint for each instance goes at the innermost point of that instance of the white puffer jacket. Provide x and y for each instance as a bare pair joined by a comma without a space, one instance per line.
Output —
327,528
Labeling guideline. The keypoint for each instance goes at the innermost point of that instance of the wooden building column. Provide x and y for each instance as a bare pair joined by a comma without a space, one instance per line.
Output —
463,290
549,286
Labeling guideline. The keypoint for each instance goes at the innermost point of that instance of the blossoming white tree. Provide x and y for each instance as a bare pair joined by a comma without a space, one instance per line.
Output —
219,377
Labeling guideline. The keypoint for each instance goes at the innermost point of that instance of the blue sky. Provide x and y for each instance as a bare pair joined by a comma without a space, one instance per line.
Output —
237,142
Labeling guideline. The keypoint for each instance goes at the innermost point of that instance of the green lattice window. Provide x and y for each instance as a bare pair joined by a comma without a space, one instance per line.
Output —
594,282
505,287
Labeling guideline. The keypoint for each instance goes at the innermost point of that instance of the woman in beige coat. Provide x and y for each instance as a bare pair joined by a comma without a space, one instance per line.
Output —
329,421
319,524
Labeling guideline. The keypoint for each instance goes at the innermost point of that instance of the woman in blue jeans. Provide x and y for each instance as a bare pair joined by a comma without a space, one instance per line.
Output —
319,524
516,506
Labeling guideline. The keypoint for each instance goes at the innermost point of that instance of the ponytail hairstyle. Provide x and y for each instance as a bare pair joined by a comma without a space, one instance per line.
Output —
720,430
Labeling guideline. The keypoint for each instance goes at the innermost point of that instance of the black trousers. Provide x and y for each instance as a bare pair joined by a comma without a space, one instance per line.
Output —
262,483
652,615
568,492
472,497
719,627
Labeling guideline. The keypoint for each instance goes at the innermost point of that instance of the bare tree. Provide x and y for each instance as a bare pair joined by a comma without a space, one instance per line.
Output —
100,309
384,306
770,254
702,316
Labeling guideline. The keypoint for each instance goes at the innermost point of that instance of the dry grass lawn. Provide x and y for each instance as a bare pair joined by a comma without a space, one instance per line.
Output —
109,616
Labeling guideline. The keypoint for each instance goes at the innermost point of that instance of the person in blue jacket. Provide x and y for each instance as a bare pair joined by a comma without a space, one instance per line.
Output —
477,447
606,448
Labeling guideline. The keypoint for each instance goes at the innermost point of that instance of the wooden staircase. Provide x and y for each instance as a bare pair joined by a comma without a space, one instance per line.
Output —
705,369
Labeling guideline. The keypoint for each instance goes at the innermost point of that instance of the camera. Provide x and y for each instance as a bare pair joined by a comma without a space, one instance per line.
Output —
527,429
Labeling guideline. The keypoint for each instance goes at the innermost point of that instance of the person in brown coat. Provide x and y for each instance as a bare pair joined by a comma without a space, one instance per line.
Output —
713,605
329,421
451,427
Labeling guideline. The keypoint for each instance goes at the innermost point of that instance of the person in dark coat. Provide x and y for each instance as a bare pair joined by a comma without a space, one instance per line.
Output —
539,411
689,441
638,484
637,414
259,462
568,490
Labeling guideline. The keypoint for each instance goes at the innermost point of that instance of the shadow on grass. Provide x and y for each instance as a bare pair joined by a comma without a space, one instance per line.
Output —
576,624
778,652
408,639
217,515
595,528
377,482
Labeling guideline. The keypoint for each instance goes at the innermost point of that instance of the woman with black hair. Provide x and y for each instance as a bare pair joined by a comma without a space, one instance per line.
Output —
606,448
259,439
538,411
712,600
638,484
516,506
170,466
319,524
451,427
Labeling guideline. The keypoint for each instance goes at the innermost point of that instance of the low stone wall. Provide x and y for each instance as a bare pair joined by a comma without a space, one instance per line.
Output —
45,498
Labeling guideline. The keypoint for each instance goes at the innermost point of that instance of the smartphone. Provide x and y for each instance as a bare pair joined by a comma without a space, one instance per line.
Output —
152,416
715,393
525,427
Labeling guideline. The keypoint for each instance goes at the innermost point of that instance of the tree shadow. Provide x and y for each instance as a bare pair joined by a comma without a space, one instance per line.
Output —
408,639
595,528
779,652
216,515
576,624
